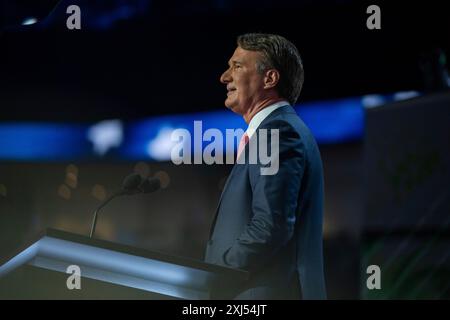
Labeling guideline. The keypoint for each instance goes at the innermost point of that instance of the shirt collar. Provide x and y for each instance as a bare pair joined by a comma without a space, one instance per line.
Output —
261,115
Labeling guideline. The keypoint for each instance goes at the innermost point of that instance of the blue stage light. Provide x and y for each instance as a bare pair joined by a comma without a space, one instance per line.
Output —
333,121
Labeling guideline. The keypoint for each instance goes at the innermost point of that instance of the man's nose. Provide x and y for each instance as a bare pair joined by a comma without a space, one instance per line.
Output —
225,77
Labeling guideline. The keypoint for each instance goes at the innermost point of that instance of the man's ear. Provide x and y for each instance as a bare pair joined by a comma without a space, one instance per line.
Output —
271,78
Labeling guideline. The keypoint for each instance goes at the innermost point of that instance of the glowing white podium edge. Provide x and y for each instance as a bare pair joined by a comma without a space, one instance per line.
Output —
114,267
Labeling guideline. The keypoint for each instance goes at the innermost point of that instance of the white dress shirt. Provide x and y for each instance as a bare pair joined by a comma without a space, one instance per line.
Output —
261,115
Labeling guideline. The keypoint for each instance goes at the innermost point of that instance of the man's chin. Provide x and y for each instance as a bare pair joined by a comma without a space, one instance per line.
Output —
233,106
234,109
229,105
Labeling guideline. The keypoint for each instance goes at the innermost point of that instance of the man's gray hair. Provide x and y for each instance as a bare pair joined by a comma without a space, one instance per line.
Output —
280,54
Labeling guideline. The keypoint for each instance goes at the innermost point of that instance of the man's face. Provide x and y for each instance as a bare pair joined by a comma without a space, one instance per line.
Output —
244,83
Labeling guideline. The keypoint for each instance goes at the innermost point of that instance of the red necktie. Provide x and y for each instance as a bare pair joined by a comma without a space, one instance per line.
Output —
242,143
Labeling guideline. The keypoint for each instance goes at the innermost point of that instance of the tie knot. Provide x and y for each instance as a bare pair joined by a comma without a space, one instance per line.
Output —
244,138
242,143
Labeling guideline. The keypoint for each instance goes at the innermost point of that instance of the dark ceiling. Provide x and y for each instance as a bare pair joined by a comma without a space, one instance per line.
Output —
154,58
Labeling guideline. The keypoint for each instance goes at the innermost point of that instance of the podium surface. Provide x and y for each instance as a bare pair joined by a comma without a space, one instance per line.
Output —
108,270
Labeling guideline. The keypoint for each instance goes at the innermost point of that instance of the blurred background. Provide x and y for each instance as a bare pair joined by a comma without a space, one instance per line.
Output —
81,109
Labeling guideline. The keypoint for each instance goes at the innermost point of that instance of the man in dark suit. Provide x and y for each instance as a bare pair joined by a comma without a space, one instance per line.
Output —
270,224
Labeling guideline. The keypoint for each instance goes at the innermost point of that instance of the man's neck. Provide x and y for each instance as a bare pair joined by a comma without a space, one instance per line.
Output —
251,112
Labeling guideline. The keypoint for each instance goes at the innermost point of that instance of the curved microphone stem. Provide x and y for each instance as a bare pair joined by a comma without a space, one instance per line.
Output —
94,220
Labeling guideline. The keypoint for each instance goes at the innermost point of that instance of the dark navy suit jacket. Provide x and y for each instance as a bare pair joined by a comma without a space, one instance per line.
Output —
271,225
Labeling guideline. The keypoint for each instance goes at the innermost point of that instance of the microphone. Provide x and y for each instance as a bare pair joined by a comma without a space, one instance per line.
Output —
150,185
132,184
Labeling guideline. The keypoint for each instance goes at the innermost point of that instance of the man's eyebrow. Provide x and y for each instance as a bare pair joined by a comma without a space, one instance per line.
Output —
233,62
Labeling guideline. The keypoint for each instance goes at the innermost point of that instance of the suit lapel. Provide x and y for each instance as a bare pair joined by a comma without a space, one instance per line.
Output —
220,199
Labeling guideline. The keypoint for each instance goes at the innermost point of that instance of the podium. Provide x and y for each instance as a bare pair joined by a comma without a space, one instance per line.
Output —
108,270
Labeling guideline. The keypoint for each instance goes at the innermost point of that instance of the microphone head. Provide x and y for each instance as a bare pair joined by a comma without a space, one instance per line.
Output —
132,182
150,185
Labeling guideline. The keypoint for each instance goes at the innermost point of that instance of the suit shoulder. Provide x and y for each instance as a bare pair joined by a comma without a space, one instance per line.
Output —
291,125
285,122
